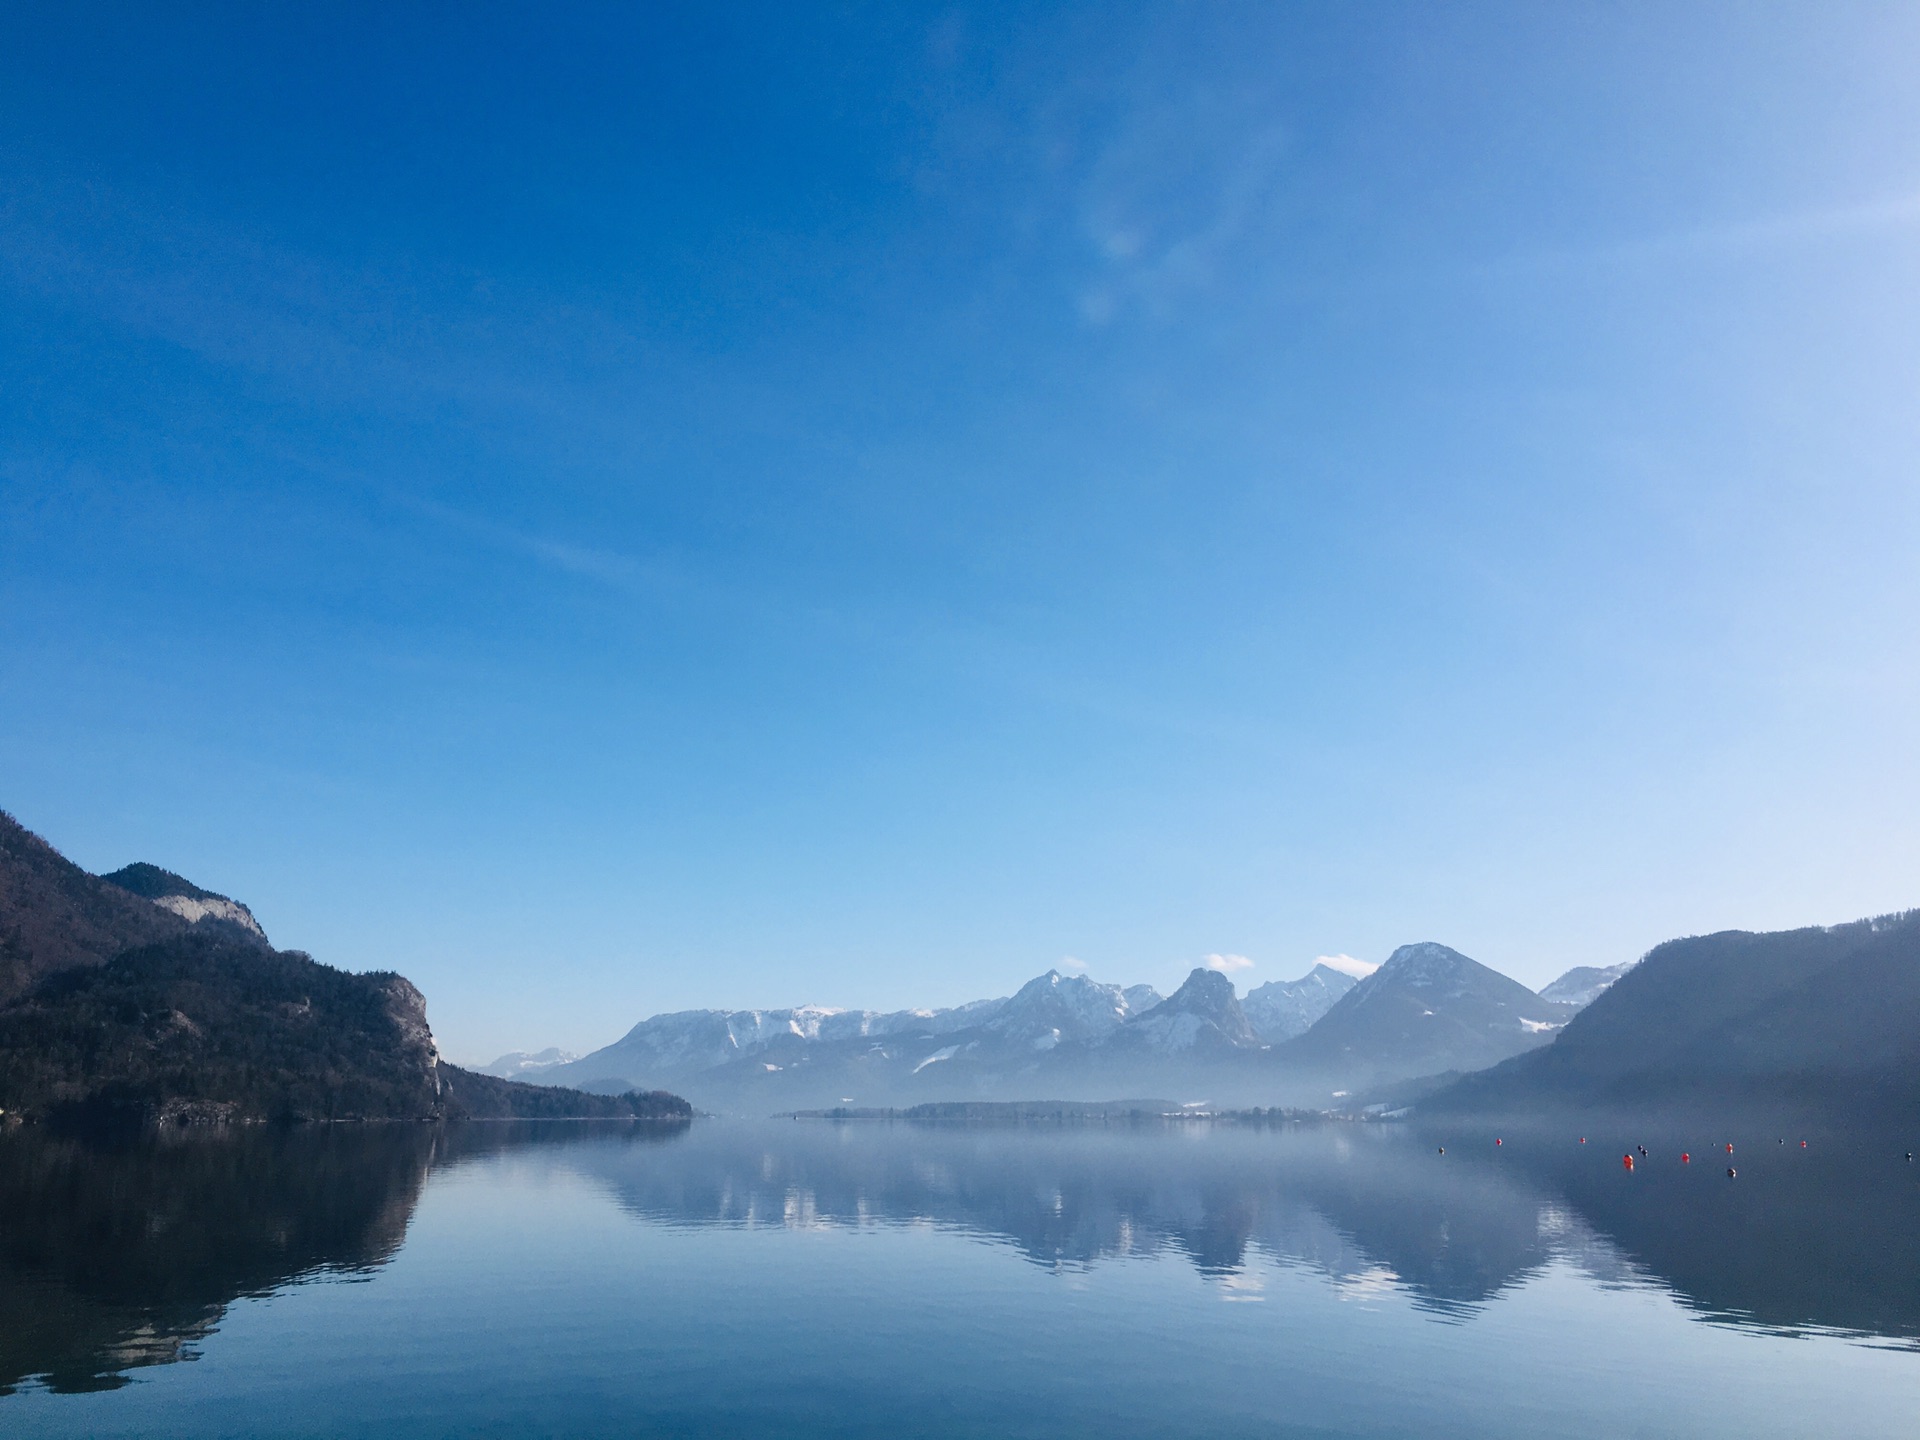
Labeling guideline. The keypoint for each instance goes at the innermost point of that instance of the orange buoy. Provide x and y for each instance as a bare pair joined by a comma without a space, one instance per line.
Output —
1627,1160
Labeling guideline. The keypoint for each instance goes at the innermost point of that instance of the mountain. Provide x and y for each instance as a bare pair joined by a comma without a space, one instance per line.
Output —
1058,1034
199,1027
682,1043
1582,985
1429,1009
1827,1017
517,1063
1202,1015
1052,1008
1282,1009
54,915
765,1060
142,997
187,900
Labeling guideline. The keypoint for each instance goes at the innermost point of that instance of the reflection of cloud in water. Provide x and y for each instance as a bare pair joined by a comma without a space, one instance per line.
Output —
1374,1281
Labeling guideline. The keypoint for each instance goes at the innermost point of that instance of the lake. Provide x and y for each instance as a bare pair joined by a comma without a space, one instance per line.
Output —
874,1278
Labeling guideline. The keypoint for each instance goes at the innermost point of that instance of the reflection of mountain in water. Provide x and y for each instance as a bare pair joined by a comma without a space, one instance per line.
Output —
119,1254
1334,1199
1832,1244
1825,1237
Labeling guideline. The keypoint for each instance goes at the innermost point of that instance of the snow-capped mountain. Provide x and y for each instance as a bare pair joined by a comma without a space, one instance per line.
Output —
1583,984
1053,1008
688,1042
1429,1009
1202,1015
519,1064
1071,1037
1282,1009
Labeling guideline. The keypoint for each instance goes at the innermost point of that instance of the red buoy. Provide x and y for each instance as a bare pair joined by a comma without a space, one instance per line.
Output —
1803,1144
1502,1142
1685,1158
1583,1139
1729,1147
1627,1160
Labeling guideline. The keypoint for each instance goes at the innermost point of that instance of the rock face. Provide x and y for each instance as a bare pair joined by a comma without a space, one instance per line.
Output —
1282,1009
1827,1017
1053,1008
187,900
1202,1015
1583,984
1429,1009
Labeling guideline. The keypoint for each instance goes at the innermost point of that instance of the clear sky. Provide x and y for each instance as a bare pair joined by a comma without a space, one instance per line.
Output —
614,509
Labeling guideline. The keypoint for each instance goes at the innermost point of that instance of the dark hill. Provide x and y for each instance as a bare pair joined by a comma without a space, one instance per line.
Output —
150,882
141,997
54,915
1827,1017
1429,1009
203,1029
200,1027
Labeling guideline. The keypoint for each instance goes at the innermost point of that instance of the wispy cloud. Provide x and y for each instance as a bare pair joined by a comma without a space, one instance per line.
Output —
1732,239
1227,963
1073,963
608,567
1347,965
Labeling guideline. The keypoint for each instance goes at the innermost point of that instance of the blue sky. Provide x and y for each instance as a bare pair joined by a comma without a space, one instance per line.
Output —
634,509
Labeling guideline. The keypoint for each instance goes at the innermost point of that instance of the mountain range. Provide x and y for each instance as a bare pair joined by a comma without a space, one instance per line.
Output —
1308,1041
140,994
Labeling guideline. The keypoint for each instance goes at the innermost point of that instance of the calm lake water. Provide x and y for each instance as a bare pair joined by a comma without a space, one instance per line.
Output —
811,1278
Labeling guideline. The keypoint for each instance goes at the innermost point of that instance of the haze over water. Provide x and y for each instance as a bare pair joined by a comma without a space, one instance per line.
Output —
808,1278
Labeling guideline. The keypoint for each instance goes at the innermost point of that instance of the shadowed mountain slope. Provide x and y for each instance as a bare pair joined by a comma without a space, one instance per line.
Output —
164,1003
1822,1016
54,915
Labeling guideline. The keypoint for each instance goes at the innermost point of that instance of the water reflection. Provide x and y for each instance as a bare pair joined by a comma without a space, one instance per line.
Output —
119,1255
122,1252
1825,1240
